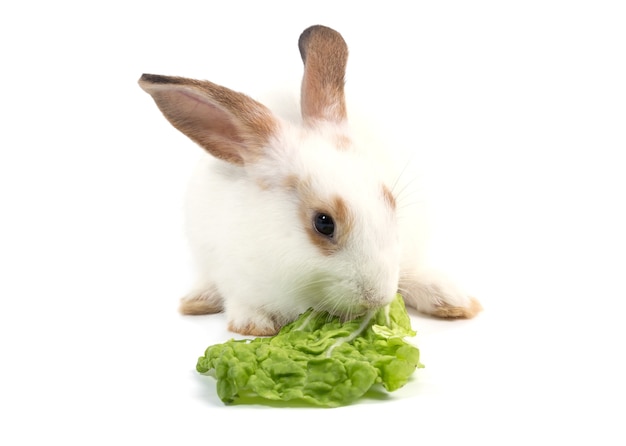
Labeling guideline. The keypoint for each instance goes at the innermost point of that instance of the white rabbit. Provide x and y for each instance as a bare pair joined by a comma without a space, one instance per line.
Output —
282,216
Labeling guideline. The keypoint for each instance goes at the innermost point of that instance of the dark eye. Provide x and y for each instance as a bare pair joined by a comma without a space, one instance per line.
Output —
324,224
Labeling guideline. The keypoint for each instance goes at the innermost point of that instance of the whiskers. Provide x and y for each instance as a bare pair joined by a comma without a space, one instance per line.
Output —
322,294
406,189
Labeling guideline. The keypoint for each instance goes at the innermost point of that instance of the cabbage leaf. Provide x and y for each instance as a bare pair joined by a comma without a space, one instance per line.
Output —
317,359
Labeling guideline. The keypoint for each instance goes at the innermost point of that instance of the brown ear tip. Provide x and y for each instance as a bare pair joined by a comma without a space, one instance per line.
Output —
304,40
319,33
153,79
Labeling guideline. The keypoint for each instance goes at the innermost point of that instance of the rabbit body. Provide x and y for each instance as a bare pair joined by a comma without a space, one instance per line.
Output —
282,216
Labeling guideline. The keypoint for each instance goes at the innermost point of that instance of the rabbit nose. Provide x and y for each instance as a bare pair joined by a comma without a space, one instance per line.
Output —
373,299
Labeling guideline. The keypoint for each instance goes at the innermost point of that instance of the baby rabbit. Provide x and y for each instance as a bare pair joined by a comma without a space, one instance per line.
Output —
283,217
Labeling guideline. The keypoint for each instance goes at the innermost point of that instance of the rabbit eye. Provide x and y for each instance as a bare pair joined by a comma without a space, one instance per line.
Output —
324,224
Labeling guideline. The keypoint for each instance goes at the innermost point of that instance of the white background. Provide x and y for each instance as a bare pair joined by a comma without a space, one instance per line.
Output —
517,111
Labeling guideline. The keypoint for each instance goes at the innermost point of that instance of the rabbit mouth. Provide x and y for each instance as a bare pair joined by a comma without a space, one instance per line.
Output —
348,310
345,298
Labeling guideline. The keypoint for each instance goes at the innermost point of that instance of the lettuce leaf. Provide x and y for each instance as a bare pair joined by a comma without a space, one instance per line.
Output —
317,359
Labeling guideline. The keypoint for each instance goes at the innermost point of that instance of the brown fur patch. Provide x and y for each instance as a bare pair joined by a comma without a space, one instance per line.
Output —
450,312
388,197
338,210
343,142
250,329
291,182
209,302
311,204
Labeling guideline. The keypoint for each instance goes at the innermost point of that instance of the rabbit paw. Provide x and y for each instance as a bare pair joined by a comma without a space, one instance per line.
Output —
438,296
256,326
201,301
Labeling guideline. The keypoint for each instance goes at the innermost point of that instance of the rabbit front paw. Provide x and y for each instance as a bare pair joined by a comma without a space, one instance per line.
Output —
256,326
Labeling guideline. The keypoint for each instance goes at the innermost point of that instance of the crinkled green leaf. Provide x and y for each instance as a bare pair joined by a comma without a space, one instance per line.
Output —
317,359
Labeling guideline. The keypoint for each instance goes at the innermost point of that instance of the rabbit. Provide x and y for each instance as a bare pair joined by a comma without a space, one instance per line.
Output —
282,217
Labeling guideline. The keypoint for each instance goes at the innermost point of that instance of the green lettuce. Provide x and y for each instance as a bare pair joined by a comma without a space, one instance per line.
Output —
317,359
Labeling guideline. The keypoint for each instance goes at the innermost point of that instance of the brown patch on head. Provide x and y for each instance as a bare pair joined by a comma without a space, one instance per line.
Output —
341,214
335,207
343,142
388,197
291,182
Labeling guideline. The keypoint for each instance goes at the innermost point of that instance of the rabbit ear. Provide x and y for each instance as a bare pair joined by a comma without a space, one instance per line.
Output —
229,125
325,55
